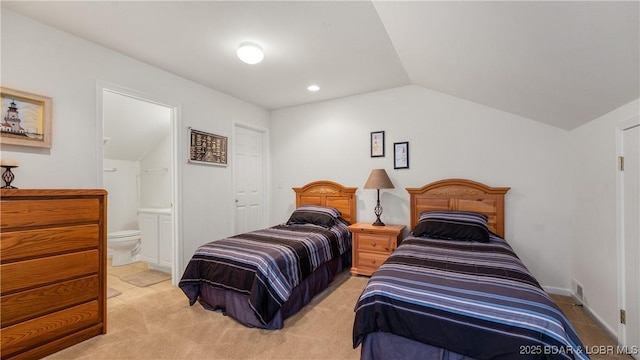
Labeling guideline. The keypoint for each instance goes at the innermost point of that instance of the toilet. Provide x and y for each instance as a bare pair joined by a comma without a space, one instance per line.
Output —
125,245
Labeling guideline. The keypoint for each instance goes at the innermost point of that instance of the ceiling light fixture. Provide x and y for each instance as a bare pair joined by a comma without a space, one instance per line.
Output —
313,87
250,53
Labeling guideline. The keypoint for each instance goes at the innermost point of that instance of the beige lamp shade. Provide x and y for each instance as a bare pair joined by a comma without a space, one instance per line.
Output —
378,179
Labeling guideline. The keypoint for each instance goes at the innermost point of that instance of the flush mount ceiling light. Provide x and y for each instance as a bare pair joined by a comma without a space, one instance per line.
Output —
313,87
250,53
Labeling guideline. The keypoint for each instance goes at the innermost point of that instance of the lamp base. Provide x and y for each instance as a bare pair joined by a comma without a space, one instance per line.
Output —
378,211
7,177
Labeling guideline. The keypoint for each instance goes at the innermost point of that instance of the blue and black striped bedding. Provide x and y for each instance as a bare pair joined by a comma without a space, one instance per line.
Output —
265,264
475,299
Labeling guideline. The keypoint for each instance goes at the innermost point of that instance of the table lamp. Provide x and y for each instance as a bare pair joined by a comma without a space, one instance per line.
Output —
378,179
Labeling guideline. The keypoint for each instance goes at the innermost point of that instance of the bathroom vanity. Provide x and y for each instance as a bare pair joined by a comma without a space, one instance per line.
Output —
157,237
53,265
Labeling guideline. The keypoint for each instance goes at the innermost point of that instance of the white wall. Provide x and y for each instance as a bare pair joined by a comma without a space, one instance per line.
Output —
594,167
42,60
155,184
131,187
123,200
448,138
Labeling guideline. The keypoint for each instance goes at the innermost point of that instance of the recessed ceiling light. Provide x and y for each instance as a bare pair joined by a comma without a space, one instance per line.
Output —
250,53
313,87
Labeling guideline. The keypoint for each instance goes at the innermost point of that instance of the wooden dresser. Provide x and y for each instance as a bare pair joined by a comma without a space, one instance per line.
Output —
52,269
372,245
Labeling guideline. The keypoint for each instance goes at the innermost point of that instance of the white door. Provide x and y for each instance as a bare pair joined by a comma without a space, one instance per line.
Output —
249,179
631,195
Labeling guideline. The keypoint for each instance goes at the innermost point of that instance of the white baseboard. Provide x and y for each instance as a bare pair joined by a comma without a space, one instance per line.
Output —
558,291
159,268
613,334
592,314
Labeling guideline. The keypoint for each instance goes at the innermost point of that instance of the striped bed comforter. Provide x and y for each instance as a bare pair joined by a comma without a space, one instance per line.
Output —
264,264
476,299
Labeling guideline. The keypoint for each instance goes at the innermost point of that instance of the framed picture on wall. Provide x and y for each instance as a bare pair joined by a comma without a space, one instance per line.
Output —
401,155
206,148
377,144
26,119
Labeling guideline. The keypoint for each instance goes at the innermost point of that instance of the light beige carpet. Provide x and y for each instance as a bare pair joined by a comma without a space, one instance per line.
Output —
111,292
162,325
145,278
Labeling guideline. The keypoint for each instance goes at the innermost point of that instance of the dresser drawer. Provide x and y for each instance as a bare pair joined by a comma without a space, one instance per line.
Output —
370,262
24,244
32,303
31,273
43,329
25,213
376,242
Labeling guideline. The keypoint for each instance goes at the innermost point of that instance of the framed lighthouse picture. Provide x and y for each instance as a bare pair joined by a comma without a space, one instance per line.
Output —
26,119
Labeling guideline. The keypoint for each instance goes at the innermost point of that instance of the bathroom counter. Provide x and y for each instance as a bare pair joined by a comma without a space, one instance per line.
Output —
163,211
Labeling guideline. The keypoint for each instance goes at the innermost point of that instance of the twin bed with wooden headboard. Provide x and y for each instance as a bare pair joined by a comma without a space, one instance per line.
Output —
262,277
460,195
454,288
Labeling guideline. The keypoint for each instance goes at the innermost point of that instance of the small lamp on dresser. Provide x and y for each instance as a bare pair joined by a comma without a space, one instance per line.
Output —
7,175
378,179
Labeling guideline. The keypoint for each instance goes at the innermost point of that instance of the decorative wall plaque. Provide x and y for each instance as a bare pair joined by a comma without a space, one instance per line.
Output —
206,148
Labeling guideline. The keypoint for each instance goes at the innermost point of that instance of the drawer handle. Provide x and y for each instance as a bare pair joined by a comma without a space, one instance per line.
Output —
373,244
373,261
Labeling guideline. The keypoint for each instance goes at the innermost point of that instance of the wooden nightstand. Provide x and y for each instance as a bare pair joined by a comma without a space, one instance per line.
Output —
372,245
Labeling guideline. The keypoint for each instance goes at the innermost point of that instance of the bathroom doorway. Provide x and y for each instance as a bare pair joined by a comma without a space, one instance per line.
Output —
137,168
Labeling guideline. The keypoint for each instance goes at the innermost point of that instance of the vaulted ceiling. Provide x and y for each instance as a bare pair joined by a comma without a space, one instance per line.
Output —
132,127
560,63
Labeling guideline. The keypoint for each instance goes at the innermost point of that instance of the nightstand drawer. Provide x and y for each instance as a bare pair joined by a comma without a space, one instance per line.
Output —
372,242
370,262
372,245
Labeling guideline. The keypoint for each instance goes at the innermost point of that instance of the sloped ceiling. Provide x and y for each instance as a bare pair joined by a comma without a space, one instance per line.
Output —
132,127
560,63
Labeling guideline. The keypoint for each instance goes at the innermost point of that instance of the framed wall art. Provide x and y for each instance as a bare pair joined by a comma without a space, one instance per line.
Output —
377,144
206,148
401,155
26,119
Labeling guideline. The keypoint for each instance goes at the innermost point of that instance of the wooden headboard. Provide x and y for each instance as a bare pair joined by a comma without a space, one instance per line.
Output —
462,195
330,194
